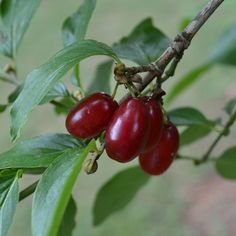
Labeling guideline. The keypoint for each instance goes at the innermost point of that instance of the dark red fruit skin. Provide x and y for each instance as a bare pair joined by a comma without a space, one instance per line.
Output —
91,116
127,132
160,158
156,123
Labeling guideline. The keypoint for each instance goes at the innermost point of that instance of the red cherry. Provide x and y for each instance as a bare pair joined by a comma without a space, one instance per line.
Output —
160,158
91,116
156,123
127,132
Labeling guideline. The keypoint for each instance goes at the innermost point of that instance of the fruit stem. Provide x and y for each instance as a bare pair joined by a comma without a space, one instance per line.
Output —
115,91
91,165
133,90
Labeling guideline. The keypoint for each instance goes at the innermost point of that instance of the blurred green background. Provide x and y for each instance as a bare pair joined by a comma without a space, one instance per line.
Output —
187,200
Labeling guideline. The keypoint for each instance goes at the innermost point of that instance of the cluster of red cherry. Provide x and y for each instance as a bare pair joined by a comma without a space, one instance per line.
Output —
134,128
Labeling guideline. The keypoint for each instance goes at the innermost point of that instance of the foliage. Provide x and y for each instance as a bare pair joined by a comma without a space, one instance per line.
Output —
58,158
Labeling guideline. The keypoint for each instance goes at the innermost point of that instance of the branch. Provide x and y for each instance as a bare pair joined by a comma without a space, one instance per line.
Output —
181,42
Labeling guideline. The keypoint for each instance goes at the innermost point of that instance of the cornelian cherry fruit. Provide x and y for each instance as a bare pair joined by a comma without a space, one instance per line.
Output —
156,123
91,116
127,132
158,160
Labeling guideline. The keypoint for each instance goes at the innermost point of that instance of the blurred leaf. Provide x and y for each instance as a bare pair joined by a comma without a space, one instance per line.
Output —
184,22
40,81
117,193
39,151
230,106
186,82
144,45
54,189
3,107
67,104
101,81
74,27
16,16
186,116
12,97
193,133
59,90
68,222
9,199
224,50
226,164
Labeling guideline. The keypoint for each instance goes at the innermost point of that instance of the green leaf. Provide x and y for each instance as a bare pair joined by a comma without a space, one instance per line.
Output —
40,81
224,50
68,222
54,189
144,45
186,116
67,104
9,199
189,79
38,152
74,27
184,22
230,106
101,81
226,164
59,90
16,16
13,96
193,133
117,193
3,107
6,179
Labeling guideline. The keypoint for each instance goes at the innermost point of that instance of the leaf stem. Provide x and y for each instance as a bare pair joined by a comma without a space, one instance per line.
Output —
224,132
171,70
8,78
28,191
195,160
77,76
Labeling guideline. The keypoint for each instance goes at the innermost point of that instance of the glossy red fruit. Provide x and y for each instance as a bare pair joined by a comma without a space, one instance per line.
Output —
156,123
160,158
127,132
91,116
